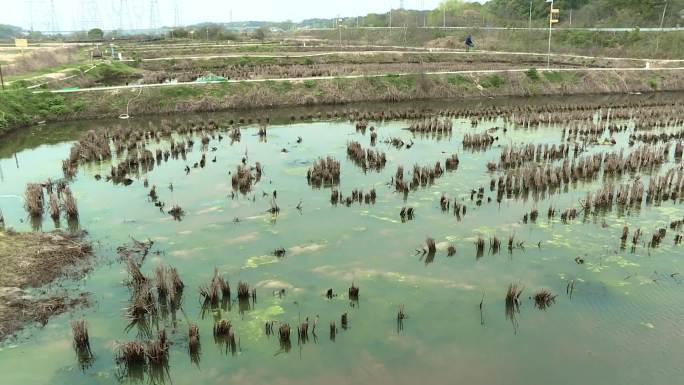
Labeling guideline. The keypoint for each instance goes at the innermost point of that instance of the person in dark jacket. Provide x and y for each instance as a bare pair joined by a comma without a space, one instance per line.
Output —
469,43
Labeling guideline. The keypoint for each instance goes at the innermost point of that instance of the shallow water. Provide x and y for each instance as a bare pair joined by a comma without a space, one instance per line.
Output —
623,324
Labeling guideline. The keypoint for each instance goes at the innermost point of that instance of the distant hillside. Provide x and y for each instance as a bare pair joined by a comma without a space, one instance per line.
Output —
9,31
576,13
608,13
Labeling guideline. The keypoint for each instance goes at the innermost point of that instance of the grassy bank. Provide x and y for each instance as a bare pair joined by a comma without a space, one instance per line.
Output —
20,108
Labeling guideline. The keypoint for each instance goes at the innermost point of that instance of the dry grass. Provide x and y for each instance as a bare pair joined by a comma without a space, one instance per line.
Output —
284,333
431,247
35,259
218,288
54,207
157,351
176,281
137,277
79,329
142,305
243,291
69,203
513,301
479,247
41,59
325,172
344,320
354,293
194,343
221,329
35,200
132,356
84,355
543,299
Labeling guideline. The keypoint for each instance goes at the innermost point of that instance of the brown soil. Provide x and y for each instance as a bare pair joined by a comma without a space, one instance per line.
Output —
32,260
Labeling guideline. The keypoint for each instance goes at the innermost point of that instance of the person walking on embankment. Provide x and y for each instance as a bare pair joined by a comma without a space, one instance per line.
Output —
469,43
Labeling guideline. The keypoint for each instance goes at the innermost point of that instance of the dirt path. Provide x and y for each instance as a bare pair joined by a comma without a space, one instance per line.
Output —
374,50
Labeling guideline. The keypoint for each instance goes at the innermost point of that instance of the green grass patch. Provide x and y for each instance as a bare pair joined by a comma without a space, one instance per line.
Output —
110,73
554,76
492,81
23,108
532,74
403,81
180,91
458,80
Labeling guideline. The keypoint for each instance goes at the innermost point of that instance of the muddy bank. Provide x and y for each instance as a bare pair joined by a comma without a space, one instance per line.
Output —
29,262
28,109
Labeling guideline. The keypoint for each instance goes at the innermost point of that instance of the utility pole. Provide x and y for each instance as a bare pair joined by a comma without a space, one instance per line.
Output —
53,26
529,26
176,14
552,14
662,21
30,10
2,80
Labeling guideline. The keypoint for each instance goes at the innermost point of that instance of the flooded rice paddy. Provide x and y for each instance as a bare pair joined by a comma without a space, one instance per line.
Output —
593,308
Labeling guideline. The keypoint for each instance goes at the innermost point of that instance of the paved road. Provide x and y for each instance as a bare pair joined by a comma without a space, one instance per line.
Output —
472,72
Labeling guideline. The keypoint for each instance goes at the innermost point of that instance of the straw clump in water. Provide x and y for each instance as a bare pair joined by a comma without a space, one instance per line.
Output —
543,299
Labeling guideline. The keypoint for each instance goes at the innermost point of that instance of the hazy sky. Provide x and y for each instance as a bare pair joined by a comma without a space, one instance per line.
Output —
71,14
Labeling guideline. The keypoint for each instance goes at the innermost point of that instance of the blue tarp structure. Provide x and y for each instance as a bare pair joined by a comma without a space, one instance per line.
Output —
210,78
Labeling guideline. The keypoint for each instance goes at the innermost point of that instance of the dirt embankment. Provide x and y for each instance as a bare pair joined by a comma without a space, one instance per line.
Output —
30,261
390,88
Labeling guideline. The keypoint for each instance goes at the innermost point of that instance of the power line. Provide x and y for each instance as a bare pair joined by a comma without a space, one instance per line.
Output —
90,15
29,6
124,16
154,14
52,24
176,14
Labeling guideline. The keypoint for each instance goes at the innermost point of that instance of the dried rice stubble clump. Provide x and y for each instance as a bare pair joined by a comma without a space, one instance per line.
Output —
325,172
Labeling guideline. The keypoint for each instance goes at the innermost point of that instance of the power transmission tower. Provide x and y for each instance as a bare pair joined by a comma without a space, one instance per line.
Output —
29,9
123,14
52,24
401,4
176,14
90,15
154,14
